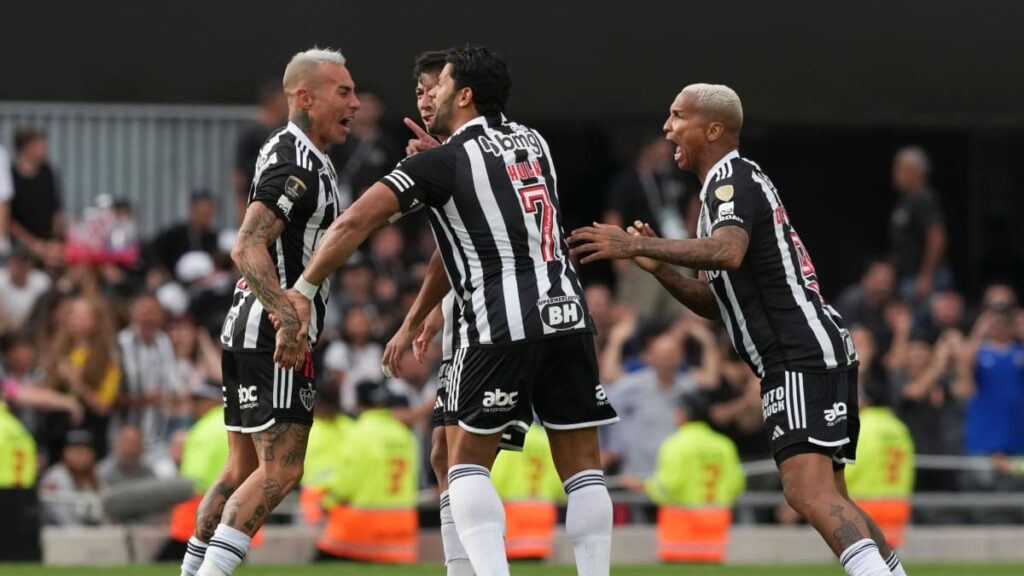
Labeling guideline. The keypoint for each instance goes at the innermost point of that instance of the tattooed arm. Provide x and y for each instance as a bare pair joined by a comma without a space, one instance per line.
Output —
723,250
260,228
694,294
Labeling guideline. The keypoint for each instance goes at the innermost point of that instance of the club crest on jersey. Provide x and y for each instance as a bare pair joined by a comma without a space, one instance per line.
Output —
725,193
308,396
561,313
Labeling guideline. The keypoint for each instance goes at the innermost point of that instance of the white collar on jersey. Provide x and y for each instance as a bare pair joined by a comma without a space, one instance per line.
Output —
478,121
294,129
715,168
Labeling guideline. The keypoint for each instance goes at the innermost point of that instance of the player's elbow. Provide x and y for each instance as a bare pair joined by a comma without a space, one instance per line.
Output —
731,260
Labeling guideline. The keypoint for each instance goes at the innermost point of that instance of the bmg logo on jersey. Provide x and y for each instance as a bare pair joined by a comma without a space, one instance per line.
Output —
248,397
561,313
773,402
500,401
837,413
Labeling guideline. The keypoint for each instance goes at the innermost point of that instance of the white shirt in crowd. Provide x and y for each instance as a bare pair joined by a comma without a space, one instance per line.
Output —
18,301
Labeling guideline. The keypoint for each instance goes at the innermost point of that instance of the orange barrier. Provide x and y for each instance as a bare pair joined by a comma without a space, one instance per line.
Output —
892,516
529,529
693,534
371,535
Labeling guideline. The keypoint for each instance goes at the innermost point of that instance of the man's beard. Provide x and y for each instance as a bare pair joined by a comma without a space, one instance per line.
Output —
441,126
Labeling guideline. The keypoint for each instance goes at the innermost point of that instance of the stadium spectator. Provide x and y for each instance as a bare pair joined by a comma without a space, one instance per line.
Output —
197,354
6,193
993,383
272,114
36,216
153,392
356,355
883,479
650,191
945,312
68,488
696,481
735,406
125,463
917,228
646,399
372,500
865,303
196,233
369,152
21,284
17,454
83,360
22,386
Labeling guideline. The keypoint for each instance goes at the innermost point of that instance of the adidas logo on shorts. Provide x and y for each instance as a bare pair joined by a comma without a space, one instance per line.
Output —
778,432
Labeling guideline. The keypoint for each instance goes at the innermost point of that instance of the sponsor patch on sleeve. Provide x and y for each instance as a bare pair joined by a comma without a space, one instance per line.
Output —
725,193
294,188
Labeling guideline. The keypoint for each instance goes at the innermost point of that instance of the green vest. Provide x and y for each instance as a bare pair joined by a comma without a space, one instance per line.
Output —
206,450
529,475
885,457
697,467
17,452
324,450
377,464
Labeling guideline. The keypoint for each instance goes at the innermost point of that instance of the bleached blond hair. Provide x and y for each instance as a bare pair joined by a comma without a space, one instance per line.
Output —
719,102
301,66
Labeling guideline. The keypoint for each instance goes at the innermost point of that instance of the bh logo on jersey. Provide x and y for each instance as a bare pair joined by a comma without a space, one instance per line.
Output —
561,313
500,401
248,397
773,402
837,413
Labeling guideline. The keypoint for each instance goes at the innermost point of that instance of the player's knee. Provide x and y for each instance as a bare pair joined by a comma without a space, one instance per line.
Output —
287,477
801,497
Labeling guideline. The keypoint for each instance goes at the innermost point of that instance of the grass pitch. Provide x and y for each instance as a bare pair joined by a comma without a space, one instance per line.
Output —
346,569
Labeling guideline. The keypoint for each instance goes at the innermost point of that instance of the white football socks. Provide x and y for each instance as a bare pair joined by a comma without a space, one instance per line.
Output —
225,551
479,518
455,557
588,522
195,550
894,565
863,559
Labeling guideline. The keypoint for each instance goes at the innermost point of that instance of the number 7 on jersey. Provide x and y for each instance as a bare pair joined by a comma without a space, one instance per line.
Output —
536,197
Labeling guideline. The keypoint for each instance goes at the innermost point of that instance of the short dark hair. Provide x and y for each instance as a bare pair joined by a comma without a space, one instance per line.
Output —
484,72
429,62
26,135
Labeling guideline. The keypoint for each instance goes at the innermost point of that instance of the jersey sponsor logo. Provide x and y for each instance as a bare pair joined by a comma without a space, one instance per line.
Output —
773,402
601,395
308,396
835,414
498,144
726,209
248,397
725,193
561,313
500,401
444,375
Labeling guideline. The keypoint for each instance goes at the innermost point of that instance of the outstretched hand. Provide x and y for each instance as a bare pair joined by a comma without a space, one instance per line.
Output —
423,140
602,242
429,329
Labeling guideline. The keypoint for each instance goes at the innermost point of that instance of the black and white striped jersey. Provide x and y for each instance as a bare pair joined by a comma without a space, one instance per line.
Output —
299,184
772,305
491,190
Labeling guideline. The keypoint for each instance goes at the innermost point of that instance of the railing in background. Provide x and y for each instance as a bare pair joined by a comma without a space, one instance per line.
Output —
155,155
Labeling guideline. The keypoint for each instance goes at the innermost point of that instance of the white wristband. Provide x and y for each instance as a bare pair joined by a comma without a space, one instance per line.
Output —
305,288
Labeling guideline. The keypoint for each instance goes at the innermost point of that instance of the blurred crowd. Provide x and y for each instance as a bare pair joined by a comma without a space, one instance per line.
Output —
110,336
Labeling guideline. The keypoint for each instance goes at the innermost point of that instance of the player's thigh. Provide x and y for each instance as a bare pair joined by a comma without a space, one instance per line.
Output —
269,395
807,479
465,447
567,393
574,451
809,413
242,459
489,391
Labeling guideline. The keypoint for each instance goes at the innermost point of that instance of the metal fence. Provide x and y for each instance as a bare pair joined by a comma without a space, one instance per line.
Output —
155,156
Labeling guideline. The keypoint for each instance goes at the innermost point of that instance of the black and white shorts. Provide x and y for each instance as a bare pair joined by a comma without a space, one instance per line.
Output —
498,389
812,413
259,393
512,439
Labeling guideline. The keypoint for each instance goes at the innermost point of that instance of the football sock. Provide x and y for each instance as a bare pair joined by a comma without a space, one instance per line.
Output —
479,518
455,557
195,550
588,522
863,559
225,552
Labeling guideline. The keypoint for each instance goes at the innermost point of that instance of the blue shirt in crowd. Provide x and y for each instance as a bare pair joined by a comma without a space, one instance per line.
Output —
995,416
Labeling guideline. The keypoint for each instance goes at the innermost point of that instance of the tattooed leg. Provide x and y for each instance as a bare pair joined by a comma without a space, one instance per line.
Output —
810,488
281,450
241,463
876,532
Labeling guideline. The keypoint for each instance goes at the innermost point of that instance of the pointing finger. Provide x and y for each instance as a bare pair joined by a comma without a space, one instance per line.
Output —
419,132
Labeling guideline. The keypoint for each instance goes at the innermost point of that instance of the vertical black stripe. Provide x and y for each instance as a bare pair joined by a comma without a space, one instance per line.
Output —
465,311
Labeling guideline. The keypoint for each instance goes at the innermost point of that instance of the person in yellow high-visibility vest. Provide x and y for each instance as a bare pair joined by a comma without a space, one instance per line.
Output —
371,502
697,479
882,481
322,452
17,452
530,488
